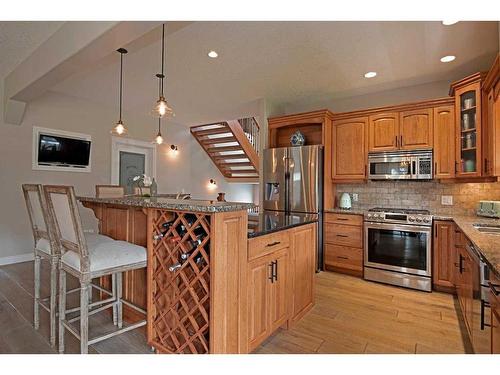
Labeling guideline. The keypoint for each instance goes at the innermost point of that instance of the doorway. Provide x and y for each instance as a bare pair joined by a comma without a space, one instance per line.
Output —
130,158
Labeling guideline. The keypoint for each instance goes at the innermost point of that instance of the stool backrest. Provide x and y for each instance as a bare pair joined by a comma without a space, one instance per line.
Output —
63,208
109,191
39,215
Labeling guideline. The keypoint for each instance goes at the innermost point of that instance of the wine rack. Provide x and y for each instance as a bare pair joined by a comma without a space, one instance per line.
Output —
179,297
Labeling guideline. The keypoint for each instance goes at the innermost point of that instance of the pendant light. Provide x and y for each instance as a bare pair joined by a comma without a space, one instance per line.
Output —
159,139
162,108
119,128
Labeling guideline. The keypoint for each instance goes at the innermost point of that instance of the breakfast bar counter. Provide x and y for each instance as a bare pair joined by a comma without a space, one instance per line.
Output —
202,288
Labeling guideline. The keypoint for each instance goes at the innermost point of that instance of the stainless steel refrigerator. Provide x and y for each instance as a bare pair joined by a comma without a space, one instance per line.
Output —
293,183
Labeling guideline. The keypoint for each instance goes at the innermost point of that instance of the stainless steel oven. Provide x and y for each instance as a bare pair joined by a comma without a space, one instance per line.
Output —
398,248
401,165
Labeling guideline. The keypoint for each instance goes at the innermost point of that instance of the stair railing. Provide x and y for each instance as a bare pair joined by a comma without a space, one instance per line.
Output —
252,131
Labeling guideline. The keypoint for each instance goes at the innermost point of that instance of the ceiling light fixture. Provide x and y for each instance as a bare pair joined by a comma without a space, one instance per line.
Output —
448,58
449,22
162,108
119,128
159,139
213,54
370,74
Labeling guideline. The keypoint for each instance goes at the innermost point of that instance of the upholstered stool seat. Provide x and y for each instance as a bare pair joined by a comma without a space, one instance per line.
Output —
106,253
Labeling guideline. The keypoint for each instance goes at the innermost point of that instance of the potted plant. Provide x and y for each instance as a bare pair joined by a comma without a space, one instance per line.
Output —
143,181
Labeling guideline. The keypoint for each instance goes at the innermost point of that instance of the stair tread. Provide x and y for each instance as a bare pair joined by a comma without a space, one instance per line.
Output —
210,141
212,150
203,133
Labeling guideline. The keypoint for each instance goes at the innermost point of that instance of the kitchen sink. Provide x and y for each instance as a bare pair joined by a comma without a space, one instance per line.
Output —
487,228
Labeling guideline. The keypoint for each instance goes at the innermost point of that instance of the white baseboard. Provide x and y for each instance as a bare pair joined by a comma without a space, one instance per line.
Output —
16,259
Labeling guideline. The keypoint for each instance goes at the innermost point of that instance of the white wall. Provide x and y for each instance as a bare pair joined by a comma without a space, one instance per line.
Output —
69,113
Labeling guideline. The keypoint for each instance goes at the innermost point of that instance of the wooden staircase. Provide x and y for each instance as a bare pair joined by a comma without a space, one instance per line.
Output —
233,147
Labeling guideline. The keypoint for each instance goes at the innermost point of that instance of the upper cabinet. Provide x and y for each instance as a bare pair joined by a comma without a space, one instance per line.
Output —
467,93
491,121
349,149
406,130
415,129
444,142
383,132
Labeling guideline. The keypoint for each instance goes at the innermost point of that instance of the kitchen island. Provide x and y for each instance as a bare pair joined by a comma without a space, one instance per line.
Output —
199,290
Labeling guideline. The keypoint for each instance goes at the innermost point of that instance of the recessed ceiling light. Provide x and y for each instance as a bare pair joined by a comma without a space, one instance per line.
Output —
213,54
370,74
449,22
446,59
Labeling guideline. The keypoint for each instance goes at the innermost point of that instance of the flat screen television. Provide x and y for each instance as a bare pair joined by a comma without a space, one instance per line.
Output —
63,151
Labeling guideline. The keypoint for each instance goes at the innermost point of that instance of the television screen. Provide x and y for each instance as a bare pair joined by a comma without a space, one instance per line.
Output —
54,149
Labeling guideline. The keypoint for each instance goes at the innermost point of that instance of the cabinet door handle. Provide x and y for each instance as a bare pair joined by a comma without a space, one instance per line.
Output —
401,142
435,167
342,257
494,287
460,263
271,265
341,235
273,243
396,138
486,165
276,270
342,219
456,165
484,304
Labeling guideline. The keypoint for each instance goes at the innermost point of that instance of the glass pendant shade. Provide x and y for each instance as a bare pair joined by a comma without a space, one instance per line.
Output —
162,108
159,139
119,129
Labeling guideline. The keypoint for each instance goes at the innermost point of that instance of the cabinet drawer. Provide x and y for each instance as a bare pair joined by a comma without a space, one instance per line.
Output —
341,234
344,219
344,257
267,244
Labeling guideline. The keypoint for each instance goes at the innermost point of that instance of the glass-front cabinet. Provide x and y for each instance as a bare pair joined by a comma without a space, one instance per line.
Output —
468,117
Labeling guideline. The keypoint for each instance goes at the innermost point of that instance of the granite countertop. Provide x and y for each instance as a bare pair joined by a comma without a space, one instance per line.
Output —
487,244
268,222
190,205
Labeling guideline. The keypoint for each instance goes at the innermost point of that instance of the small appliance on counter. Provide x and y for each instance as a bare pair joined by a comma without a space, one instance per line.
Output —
345,201
489,209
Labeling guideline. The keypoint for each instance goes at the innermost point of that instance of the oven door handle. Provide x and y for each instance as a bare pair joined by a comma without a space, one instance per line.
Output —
400,227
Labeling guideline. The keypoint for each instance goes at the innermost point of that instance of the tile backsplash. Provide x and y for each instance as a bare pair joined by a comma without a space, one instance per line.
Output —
421,195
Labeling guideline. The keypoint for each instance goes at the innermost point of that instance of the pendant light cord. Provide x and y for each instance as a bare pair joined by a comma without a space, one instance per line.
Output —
162,56
121,83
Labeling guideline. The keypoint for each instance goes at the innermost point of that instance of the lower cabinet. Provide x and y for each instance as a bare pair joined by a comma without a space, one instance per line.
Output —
267,300
280,280
343,247
495,314
443,268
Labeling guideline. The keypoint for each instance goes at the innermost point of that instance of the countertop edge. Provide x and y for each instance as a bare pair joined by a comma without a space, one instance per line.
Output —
263,233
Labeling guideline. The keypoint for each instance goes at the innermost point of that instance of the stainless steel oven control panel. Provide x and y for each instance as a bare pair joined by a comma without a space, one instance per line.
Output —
399,218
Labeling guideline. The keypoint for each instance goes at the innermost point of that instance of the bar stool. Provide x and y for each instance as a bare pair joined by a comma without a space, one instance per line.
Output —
46,248
109,191
86,260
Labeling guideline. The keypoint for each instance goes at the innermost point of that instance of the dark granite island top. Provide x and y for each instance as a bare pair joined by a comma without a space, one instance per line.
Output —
191,205
270,221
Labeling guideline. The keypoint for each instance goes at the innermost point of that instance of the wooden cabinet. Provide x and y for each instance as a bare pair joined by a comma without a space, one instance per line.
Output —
349,150
267,289
383,132
280,280
343,248
468,112
444,142
415,129
303,266
491,121
494,298
443,267
405,130
464,281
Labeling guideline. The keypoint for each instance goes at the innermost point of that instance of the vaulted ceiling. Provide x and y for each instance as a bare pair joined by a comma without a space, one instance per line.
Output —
285,62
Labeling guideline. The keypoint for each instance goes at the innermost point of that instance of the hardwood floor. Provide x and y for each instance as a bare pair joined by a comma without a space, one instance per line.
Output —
350,316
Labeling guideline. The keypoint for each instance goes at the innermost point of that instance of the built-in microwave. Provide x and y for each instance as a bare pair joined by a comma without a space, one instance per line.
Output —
400,165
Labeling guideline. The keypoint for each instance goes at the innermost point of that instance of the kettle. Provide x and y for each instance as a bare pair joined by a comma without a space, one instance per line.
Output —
345,201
